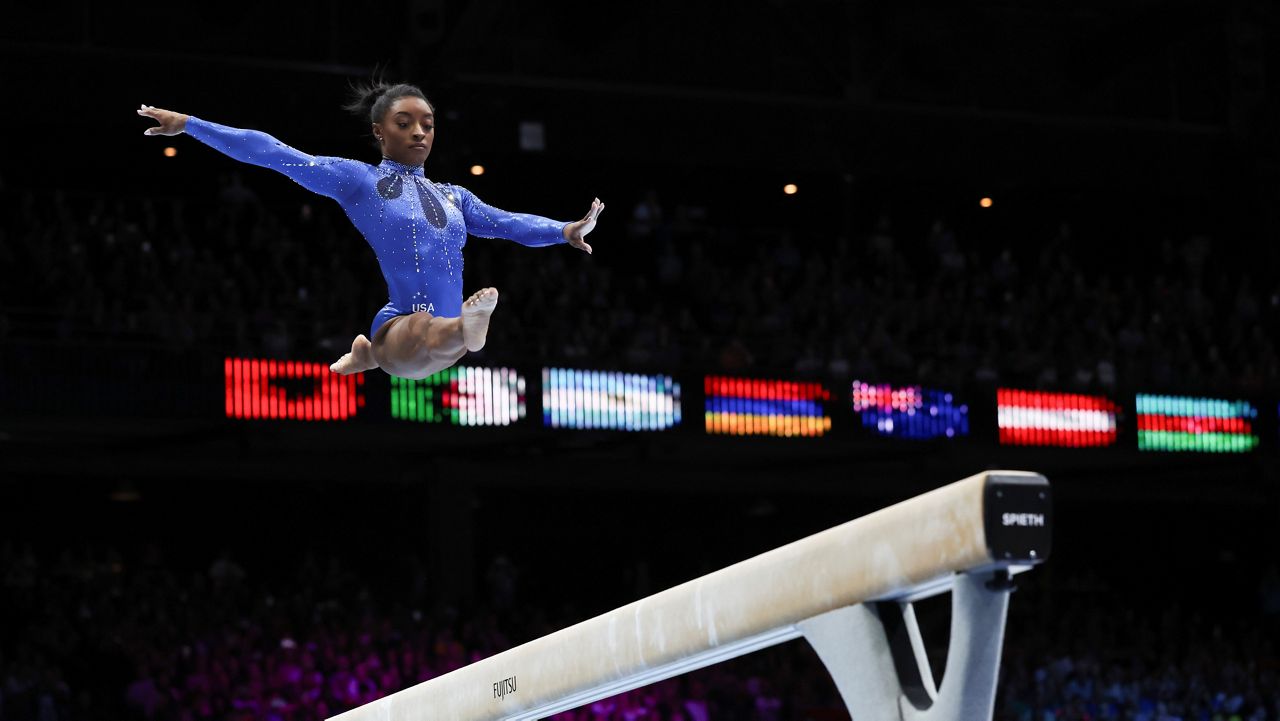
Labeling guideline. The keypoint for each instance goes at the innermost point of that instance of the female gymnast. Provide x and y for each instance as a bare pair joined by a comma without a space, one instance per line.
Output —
415,226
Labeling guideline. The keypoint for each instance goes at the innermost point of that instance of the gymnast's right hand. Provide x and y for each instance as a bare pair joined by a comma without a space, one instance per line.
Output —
171,123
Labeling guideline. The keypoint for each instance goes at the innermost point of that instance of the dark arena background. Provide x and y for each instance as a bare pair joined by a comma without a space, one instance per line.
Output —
853,252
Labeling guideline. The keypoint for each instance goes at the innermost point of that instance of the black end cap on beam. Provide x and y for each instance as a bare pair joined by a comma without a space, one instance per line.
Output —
1018,515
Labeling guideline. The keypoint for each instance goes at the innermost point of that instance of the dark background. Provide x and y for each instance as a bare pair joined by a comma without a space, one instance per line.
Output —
1135,121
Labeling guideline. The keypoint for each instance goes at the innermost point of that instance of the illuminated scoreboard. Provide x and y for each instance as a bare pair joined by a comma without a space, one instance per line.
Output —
912,412
1180,423
461,396
1039,418
755,407
263,389
273,389
609,400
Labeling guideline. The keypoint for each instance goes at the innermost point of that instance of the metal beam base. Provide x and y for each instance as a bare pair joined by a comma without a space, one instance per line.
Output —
876,656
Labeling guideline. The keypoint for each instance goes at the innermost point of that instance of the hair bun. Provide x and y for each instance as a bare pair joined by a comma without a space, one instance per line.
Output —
364,96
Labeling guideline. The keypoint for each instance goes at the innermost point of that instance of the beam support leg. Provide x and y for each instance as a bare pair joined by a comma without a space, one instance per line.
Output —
876,656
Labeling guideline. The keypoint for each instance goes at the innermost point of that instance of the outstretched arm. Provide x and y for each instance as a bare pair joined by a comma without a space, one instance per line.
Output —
328,176
485,221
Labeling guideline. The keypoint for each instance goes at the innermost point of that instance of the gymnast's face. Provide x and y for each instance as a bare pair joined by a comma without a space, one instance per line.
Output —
407,130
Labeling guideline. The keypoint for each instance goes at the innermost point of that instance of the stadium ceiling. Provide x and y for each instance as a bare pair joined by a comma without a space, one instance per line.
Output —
1162,61
844,82
1150,60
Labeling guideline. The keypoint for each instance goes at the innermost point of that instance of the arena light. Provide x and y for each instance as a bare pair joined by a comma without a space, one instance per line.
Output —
608,399
910,412
755,407
790,189
275,389
1182,423
461,396
170,151
986,202
1037,418
477,170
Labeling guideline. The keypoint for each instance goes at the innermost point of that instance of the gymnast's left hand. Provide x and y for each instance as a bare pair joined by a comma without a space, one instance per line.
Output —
171,123
576,231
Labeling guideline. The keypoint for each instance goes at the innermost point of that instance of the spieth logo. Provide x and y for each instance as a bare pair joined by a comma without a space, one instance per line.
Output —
1023,519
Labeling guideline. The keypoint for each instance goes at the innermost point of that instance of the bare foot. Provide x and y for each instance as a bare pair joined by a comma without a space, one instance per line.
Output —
475,317
360,358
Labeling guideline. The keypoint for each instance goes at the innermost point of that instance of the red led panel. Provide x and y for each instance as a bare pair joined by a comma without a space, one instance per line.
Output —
272,389
1037,418
1194,425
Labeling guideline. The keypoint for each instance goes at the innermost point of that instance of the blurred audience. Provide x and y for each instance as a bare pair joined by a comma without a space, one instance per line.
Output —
99,633
669,289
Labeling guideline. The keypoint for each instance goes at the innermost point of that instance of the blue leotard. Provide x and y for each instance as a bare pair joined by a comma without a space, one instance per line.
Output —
416,227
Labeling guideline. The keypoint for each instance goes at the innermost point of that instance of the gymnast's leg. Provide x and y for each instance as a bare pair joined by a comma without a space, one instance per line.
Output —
420,344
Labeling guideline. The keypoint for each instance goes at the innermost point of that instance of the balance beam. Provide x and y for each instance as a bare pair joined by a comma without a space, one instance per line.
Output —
839,589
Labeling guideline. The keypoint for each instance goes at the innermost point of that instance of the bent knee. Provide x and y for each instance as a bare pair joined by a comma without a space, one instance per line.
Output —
417,345
395,348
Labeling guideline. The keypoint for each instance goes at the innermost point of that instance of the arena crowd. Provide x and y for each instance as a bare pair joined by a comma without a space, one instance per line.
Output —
669,288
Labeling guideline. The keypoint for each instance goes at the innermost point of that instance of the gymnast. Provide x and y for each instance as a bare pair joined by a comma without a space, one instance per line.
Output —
415,226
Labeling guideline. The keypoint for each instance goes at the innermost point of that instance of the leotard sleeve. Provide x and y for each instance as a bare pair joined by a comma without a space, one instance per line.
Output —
328,176
485,221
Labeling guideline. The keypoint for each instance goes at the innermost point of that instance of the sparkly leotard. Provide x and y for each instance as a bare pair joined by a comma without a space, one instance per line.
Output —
416,227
